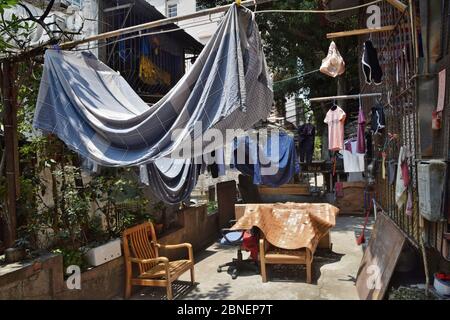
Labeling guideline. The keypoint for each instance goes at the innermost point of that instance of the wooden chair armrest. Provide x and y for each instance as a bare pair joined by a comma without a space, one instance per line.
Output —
159,260
178,246
174,246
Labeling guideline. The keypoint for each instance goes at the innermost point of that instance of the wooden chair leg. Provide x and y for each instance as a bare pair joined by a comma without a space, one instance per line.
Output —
308,272
127,288
308,266
262,260
263,272
192,275
169,291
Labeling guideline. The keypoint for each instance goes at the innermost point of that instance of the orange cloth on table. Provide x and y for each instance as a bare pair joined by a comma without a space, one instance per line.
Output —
335,120
290,225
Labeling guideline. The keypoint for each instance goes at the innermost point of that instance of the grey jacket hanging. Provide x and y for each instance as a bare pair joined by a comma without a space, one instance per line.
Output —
371,67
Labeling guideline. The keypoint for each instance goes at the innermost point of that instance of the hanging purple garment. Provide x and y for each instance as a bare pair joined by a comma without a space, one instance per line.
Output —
361,145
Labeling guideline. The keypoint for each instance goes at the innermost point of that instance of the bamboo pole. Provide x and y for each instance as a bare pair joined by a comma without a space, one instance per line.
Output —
346,97
398,5
358,32
155,24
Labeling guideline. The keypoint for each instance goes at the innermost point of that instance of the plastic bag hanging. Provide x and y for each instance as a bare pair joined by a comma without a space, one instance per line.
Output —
333,64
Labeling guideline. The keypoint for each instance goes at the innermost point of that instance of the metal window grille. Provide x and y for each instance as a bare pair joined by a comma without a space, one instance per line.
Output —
172,10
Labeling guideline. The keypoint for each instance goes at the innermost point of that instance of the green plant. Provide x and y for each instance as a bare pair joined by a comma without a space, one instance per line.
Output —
212,207
71,257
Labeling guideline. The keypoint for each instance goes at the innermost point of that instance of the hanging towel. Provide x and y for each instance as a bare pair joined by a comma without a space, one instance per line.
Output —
371,67
401,185
333,64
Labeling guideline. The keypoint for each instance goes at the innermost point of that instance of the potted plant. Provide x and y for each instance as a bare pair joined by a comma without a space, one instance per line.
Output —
17,252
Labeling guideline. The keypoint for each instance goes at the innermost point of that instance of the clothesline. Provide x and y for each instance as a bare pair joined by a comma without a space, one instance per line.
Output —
171,20
299,76
322,11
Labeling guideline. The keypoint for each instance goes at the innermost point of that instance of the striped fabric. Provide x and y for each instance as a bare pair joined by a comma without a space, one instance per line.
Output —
97,114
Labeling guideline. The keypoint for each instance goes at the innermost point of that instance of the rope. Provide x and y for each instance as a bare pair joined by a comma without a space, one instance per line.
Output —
299,76
322,11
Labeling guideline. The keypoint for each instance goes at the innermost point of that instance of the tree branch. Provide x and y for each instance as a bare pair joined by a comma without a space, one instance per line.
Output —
47,10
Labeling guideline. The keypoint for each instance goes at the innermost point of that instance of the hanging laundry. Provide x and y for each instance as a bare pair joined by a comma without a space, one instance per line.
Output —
333,64
409,204
150,73
378,118
267,167
370,65
353,161
97,114
361,145
335,119
441,90
171,180
216,163
402,178
306,137
339,189
391,172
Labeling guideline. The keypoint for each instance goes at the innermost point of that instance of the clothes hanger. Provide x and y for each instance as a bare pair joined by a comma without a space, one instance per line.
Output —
334,106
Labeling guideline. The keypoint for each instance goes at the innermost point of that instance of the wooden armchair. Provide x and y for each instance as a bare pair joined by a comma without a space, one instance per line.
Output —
270,254
140,248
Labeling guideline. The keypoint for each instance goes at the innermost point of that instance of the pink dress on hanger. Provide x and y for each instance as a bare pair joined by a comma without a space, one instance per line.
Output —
335,120
361,145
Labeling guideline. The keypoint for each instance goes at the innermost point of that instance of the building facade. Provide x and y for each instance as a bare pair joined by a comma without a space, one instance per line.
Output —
200,28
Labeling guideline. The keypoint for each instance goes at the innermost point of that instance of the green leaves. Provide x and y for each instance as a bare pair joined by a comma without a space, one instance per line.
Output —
4,4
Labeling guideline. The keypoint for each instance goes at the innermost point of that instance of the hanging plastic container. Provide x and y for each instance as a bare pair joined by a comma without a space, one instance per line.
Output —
431,184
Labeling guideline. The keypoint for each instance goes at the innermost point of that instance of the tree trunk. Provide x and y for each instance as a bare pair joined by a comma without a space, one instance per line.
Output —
9,95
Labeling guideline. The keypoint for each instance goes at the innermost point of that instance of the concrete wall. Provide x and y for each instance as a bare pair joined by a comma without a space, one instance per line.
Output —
43,278
198,228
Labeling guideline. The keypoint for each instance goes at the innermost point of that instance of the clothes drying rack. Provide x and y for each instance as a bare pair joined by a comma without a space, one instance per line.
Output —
346,97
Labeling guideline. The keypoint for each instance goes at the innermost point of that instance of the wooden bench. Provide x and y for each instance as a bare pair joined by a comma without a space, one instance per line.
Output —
140,248
286,189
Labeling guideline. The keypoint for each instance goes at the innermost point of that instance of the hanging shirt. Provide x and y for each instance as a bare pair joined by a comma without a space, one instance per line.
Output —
306,136
361,145
335,120
378,119
353,161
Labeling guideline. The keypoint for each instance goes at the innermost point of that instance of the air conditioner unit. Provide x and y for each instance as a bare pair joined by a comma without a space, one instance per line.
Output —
57,23
65,3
